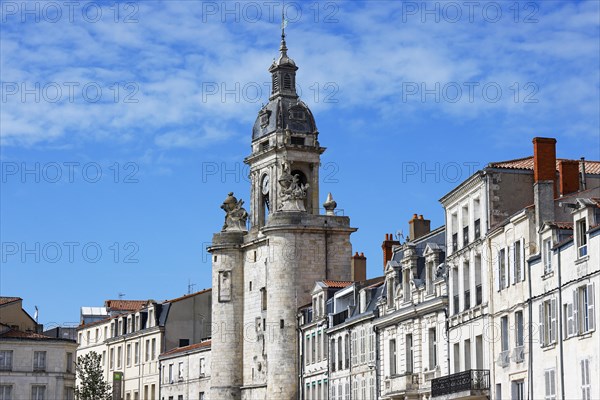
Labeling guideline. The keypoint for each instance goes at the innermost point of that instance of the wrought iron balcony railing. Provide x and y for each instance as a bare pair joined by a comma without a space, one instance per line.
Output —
473,379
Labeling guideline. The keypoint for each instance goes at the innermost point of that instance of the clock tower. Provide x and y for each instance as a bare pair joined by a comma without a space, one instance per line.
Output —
261,275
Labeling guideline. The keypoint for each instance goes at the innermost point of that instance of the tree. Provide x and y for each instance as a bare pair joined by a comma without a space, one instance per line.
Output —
92,385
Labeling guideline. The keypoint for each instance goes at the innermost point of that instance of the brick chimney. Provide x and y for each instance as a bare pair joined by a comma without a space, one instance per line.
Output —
358,267
386,246
544,176
418,227
568,172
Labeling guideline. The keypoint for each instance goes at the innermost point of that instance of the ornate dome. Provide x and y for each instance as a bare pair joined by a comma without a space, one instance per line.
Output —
283,113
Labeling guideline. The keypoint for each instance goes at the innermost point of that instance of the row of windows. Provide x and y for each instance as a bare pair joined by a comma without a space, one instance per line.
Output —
315,390
362,351
39,361
511,265
462,229
578,316
150,354
467,299
120,326
38,392
177,375
518,354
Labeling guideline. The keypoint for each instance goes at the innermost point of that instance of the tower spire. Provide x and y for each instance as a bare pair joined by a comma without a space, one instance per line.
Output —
283,47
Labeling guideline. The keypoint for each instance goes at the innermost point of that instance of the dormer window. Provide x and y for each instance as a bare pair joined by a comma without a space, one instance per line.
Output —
297,114
264,118
581,238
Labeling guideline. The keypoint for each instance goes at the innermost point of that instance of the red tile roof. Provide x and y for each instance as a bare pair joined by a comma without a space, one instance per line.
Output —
6,300
591,167
562,225
337,284
125,305
14,334
187,348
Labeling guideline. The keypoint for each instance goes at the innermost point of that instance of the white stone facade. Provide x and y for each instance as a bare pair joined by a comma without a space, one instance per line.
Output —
185,373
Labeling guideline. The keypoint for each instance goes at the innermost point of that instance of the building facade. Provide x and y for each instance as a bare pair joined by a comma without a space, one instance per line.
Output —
130,342
185,372
32,365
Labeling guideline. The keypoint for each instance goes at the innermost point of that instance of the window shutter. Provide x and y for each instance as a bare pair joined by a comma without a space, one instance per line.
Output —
553,382
354,349
570,322
553,321
547,381
513,264
590,307
372,347
575,312
541,325
507,267
522,259
497,280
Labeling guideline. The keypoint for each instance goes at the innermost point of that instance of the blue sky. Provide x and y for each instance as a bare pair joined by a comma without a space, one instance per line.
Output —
124,125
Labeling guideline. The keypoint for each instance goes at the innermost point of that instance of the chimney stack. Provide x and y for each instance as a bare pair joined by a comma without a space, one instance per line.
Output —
386,246
544,176
418,227
358,267
568,172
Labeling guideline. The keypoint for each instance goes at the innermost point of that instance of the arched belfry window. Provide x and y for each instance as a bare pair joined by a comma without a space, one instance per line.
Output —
275,83
287,81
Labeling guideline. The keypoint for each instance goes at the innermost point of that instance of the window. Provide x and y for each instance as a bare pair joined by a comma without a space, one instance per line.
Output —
147,350
97,335
518,390
69,362
547,322
180,371
432,349
347,351
332,352
550,384
5,392
502,268
547,256
39,360
137,322
112,359
409,353
136,352
150,318
119,357
170,373
297,140
467,351
583,309
103,358
585,380
477,229
202,367
503,359
455,290
479,352
38,392
6,360
307,353
478,289
354,347
318,346
466,286
581,238
392,357
153,349
106,332
518,262
287,81
201,396
456,357
519,339
87,336
263,298
128,355
339,354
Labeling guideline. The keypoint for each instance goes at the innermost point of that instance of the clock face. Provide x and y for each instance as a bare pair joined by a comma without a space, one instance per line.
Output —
265,184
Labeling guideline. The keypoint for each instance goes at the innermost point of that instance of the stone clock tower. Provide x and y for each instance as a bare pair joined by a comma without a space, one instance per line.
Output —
261,275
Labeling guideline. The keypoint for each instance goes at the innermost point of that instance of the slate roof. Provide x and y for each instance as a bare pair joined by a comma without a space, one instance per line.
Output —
21,335
591,167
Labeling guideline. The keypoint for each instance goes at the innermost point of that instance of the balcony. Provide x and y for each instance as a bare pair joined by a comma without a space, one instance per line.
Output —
471,383
401,384
519,354
504,358
339,318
